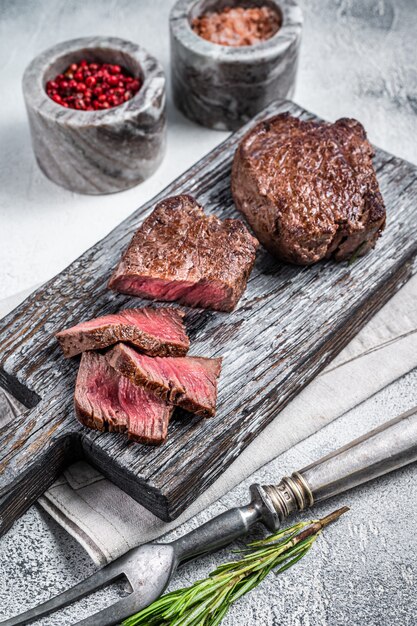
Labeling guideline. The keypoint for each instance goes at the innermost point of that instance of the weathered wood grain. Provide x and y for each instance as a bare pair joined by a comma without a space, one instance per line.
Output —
290,323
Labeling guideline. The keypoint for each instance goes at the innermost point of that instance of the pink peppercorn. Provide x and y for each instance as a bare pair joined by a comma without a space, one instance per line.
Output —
92,86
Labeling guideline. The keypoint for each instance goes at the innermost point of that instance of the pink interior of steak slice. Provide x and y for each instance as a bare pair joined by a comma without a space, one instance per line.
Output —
148,415
189,382
104,400
180,253
164,323
154,331
203,294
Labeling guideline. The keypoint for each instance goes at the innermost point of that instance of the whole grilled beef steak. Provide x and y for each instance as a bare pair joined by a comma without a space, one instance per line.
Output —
106,401
189,382
181,254
158,332
309,189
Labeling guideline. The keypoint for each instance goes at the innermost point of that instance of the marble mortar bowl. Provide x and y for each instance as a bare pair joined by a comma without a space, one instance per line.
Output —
223,87
97,152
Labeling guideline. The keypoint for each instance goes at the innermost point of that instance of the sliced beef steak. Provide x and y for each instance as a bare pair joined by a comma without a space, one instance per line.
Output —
106,401
188,382
309,189
154,331
179,253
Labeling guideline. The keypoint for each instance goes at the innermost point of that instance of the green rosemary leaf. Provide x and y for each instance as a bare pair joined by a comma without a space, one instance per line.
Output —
206,602
219,617
292,561
195,613
196,595
269,541
292,551
244,587
152,610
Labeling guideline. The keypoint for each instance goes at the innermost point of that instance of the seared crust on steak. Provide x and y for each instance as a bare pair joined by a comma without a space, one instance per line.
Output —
309,189
181,254
189,382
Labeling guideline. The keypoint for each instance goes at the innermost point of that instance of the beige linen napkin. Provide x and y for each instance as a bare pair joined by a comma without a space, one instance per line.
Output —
107,522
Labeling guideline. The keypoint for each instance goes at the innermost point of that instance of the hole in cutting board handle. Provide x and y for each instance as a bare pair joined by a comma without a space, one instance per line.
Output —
19,392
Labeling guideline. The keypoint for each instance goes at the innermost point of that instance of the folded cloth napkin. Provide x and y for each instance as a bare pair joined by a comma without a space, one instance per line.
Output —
107,522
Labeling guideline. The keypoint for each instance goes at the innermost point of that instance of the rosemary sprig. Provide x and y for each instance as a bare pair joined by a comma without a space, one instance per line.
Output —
207,601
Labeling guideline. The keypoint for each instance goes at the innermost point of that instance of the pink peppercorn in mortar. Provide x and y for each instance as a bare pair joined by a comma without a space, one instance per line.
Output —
96,110
93,86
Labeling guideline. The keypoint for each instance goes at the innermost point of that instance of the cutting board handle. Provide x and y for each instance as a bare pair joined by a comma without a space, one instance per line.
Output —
31,459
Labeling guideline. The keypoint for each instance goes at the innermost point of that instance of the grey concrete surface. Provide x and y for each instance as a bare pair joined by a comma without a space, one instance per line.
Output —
357,59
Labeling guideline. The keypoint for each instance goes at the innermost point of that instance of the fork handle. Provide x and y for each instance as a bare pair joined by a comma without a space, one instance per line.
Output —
380,451
217,532
389,447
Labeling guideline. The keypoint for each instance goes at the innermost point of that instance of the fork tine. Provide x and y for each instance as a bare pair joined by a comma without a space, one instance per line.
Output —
107,575
115,613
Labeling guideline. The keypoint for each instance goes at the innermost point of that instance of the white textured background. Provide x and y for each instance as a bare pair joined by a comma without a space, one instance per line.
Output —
358,59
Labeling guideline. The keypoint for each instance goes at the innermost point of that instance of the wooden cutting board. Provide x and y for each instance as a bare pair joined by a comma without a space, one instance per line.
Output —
289,324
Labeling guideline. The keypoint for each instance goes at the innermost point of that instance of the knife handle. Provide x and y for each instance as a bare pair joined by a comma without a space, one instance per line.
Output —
389,447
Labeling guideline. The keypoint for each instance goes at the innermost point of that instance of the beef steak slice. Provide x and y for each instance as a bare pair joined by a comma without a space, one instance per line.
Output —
189,382
308,189
179,253
106,401
154,331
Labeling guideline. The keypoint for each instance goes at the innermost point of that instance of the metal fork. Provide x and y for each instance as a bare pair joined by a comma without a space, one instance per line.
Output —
150,567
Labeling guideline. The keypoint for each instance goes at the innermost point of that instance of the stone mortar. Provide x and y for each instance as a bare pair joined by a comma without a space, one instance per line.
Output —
222,87
96,152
